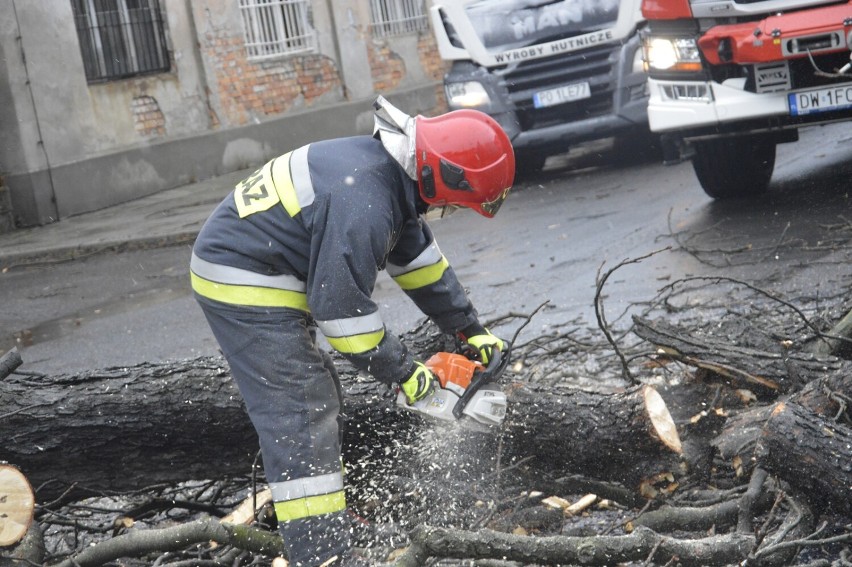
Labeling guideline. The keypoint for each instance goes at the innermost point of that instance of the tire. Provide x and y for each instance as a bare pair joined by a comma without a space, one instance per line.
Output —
735,168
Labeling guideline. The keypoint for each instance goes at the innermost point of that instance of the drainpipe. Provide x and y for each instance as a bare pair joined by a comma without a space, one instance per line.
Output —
40,142
336,40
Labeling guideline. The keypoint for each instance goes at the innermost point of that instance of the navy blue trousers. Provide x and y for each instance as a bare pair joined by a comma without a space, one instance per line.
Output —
293,397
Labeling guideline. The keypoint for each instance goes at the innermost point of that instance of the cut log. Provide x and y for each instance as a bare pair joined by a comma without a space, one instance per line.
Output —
17,504
811,453
625,436
735,445
769,371
185,420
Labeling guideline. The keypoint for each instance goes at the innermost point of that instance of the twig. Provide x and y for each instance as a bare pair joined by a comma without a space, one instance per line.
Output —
599,310
9,362
803,542
765,293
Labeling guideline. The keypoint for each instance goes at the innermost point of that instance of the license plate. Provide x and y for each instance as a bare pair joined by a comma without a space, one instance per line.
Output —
559,95
825,99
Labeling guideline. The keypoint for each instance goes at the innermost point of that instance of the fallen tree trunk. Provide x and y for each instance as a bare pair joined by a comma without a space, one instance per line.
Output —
122,429
157,423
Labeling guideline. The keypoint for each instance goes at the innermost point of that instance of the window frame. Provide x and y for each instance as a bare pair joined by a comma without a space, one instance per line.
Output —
393,18
272,33
137,38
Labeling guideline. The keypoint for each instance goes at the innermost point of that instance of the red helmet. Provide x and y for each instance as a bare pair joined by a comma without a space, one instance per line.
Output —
464,158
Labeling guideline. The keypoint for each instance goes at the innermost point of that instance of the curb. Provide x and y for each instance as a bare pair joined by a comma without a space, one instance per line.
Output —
69,253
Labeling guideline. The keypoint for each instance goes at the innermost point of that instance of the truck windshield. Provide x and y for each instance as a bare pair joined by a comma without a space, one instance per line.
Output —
513,23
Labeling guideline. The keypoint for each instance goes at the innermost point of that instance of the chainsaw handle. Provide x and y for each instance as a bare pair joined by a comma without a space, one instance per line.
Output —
492,372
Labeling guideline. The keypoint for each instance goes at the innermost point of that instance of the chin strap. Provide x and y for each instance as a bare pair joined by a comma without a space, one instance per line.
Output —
395,129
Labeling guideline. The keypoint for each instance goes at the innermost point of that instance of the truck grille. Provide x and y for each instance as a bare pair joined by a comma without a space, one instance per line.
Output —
594,65
802,74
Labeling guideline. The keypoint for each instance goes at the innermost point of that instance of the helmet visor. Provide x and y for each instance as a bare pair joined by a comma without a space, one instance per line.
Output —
490,208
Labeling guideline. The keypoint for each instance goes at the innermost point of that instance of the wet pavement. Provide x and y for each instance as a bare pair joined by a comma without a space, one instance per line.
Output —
165,218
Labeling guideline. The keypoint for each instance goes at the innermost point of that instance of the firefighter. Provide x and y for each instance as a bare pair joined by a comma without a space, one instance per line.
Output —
297,246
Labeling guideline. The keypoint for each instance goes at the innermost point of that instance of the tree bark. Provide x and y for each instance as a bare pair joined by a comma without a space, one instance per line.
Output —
125,428
736,443
641,545
122,429
625,436
811,453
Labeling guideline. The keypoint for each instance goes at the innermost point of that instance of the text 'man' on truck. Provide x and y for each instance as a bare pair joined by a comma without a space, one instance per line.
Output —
553,73
731,79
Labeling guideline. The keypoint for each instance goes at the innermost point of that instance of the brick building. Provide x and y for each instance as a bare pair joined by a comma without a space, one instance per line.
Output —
105,101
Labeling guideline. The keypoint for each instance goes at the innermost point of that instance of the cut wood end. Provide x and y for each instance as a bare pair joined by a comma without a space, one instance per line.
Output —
555,502
580,505
779,408
17,503
661,419
244,513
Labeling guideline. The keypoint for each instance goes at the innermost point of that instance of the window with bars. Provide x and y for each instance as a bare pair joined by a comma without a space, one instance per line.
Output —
274,28
120,38
397,17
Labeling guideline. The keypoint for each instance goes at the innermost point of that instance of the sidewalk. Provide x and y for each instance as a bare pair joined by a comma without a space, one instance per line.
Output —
166,218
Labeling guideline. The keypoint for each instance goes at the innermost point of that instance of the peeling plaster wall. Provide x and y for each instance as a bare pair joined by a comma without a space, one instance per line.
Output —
69,147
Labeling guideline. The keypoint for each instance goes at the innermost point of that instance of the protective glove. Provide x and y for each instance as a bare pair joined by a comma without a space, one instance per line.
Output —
483,342
419,384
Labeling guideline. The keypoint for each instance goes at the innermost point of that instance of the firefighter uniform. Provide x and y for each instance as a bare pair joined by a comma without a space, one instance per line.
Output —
300,243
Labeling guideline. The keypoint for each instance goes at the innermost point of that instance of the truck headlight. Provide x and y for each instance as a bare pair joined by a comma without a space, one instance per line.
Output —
467,95
678,54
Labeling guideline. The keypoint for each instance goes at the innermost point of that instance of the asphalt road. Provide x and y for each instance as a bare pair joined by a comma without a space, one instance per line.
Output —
589,211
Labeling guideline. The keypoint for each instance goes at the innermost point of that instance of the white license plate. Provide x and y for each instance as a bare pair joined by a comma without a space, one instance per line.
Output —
559,95
820,100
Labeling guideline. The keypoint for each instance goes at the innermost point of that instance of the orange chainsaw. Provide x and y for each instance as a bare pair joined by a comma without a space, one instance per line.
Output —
467,389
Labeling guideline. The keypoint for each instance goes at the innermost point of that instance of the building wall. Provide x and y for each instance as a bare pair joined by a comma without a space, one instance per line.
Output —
69,147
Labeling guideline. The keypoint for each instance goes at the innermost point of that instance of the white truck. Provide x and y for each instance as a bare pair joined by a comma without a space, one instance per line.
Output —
553,73
731,79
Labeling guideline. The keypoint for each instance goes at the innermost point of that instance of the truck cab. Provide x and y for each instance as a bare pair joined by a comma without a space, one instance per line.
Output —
731,79
552,73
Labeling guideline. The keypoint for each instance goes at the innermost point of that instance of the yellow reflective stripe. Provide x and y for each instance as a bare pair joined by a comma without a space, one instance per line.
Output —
249,295
356,344
422,277
283,183
310,506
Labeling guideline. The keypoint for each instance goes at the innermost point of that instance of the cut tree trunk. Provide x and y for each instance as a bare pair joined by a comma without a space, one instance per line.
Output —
811,453
735,445
123,429
626,436
17,504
